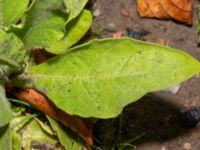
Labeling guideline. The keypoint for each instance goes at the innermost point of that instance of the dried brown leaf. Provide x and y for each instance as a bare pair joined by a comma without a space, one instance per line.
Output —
81,126
156,9
179,10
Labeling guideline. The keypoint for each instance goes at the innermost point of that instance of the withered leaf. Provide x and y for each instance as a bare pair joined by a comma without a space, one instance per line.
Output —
81,126
179,10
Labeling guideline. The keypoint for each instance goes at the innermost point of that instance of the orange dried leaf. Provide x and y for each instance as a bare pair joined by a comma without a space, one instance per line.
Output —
183,4
179,10
81,126
143,9
156,9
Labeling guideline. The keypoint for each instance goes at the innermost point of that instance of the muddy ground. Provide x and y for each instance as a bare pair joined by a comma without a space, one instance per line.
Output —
152,123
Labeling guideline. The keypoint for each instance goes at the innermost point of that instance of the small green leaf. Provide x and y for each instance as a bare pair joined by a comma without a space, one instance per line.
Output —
12,53
33,135
5,138
74,7
100,78
47,25
16,140
19,122
11,11
75,30
68,139
5,111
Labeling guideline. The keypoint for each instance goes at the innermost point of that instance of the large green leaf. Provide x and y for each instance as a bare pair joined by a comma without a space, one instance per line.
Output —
11,11
68,139
75,30
98,79
5,111
74,7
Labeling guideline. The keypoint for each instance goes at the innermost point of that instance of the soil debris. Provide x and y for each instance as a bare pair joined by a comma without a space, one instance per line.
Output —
137,34
125,13
187,146
97,13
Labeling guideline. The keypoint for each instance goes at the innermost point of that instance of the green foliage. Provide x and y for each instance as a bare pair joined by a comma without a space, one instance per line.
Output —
5,111
97,79
11,11
68,139
46,25
43,23
74,7
5,138
33,134
12,53
105,73
75,29
16,140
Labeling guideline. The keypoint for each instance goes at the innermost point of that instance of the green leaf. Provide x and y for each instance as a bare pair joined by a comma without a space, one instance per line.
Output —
12,53
11,11
68,139
100,78
74,7
33,135
47,25
16,140
75,30
5,138
19,122
5,111
44,23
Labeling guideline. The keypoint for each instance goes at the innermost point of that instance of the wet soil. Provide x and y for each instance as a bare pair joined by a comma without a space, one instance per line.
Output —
153,122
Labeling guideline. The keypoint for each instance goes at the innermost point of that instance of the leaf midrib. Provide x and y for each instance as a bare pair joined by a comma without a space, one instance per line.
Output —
102,77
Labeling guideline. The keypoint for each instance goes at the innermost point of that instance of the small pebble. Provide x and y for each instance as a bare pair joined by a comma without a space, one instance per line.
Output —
161,41
125,12
164,148
117,35
97,13
190,118
111,27
187,146
173,89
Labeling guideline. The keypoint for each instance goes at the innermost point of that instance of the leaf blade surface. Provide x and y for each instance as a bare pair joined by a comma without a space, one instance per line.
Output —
100,78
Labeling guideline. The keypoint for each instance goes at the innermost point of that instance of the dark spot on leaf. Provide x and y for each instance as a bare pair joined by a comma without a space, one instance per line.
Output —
159,60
